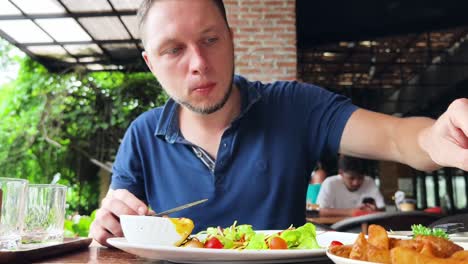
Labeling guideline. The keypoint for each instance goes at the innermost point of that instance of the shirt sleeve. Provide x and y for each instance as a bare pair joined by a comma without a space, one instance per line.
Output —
325,115
127,170
325,197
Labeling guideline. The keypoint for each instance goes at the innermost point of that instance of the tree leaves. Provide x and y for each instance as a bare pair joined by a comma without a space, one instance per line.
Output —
59,122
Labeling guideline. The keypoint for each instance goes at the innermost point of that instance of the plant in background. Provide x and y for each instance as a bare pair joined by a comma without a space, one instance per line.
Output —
78,225
69,123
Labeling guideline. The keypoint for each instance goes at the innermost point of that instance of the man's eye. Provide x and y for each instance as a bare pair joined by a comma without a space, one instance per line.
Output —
211,40
172,51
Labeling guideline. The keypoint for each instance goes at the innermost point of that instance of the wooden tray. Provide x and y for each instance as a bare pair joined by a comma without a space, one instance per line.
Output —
34,252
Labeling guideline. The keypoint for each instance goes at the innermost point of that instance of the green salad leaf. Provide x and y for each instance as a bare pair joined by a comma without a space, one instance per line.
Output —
257,242
308,237
303,237
244,237
246,230
426,231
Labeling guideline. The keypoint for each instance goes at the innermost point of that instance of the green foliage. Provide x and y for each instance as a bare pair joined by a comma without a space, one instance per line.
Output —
61,122
79,228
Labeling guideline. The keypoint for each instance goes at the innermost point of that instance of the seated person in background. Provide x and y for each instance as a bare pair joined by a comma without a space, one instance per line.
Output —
316,179
351,192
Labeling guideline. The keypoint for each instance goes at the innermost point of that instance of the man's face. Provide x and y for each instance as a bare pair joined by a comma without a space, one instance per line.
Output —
352,181
189,49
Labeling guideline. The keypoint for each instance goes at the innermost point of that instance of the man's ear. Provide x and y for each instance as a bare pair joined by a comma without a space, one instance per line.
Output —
144,54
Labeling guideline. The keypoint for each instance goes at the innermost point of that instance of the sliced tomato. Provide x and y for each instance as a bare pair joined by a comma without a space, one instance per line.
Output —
335,243
278,243
213,243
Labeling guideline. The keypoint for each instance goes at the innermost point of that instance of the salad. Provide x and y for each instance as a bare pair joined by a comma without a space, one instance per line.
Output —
244,237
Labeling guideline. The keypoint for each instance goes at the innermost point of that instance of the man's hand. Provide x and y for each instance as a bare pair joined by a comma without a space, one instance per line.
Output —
368,207
446,141
116,203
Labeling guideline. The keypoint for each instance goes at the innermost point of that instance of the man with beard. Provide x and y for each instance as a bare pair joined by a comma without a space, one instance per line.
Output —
350,192
246,146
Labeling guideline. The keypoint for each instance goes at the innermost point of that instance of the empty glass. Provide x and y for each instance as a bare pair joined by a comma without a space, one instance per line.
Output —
12,200
45,213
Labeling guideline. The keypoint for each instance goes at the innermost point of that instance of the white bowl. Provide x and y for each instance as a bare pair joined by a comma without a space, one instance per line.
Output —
341,260
162,231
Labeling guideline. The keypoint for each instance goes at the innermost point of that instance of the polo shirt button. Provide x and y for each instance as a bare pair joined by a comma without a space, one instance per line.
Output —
224,145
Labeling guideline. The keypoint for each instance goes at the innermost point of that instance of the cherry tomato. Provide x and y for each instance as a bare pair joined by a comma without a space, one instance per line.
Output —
278,243
213,243
335,243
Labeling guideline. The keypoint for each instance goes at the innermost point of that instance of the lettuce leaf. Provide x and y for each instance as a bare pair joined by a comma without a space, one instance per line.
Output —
426,231
257,242
303,237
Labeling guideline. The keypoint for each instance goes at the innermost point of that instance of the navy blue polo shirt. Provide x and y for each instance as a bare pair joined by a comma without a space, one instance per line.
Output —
263,164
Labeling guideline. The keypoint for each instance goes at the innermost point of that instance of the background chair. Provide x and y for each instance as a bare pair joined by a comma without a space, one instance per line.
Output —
389,220
458,218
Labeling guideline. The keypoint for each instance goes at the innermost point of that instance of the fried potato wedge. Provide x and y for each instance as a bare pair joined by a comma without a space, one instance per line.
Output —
460,255
379,248
407,243
359,248
341,251
442,248
406,255
378,255
377,237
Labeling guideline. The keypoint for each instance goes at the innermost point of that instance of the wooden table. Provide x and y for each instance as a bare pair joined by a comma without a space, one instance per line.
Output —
98,254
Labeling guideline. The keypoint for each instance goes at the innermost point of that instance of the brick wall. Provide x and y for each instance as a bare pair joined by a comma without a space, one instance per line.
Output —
265,38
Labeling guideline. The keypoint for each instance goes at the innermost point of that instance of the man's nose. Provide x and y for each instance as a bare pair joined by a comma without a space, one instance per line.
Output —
198,61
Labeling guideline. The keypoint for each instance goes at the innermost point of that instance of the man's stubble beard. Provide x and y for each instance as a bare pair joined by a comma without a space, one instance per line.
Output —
211,109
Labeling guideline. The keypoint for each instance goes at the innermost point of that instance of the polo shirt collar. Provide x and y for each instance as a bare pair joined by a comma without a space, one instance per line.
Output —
168,124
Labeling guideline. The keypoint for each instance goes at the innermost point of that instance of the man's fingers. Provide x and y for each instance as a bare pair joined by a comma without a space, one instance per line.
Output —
459,114
453,156
108,221
117,207
99,234
116,203
138,206
151,212
463,160
458,122
459,137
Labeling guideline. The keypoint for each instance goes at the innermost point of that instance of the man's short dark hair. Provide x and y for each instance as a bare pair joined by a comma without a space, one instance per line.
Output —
352,165
146,5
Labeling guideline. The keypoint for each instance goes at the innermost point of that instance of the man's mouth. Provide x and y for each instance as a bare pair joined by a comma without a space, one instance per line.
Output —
204,88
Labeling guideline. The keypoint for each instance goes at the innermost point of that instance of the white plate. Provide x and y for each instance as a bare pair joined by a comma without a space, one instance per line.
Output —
341,260
202,255
457,237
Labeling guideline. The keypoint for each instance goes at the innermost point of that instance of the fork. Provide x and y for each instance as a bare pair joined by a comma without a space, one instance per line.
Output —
451,228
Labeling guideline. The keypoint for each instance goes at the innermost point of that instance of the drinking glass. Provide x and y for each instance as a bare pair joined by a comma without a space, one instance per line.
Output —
45,213
12,200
